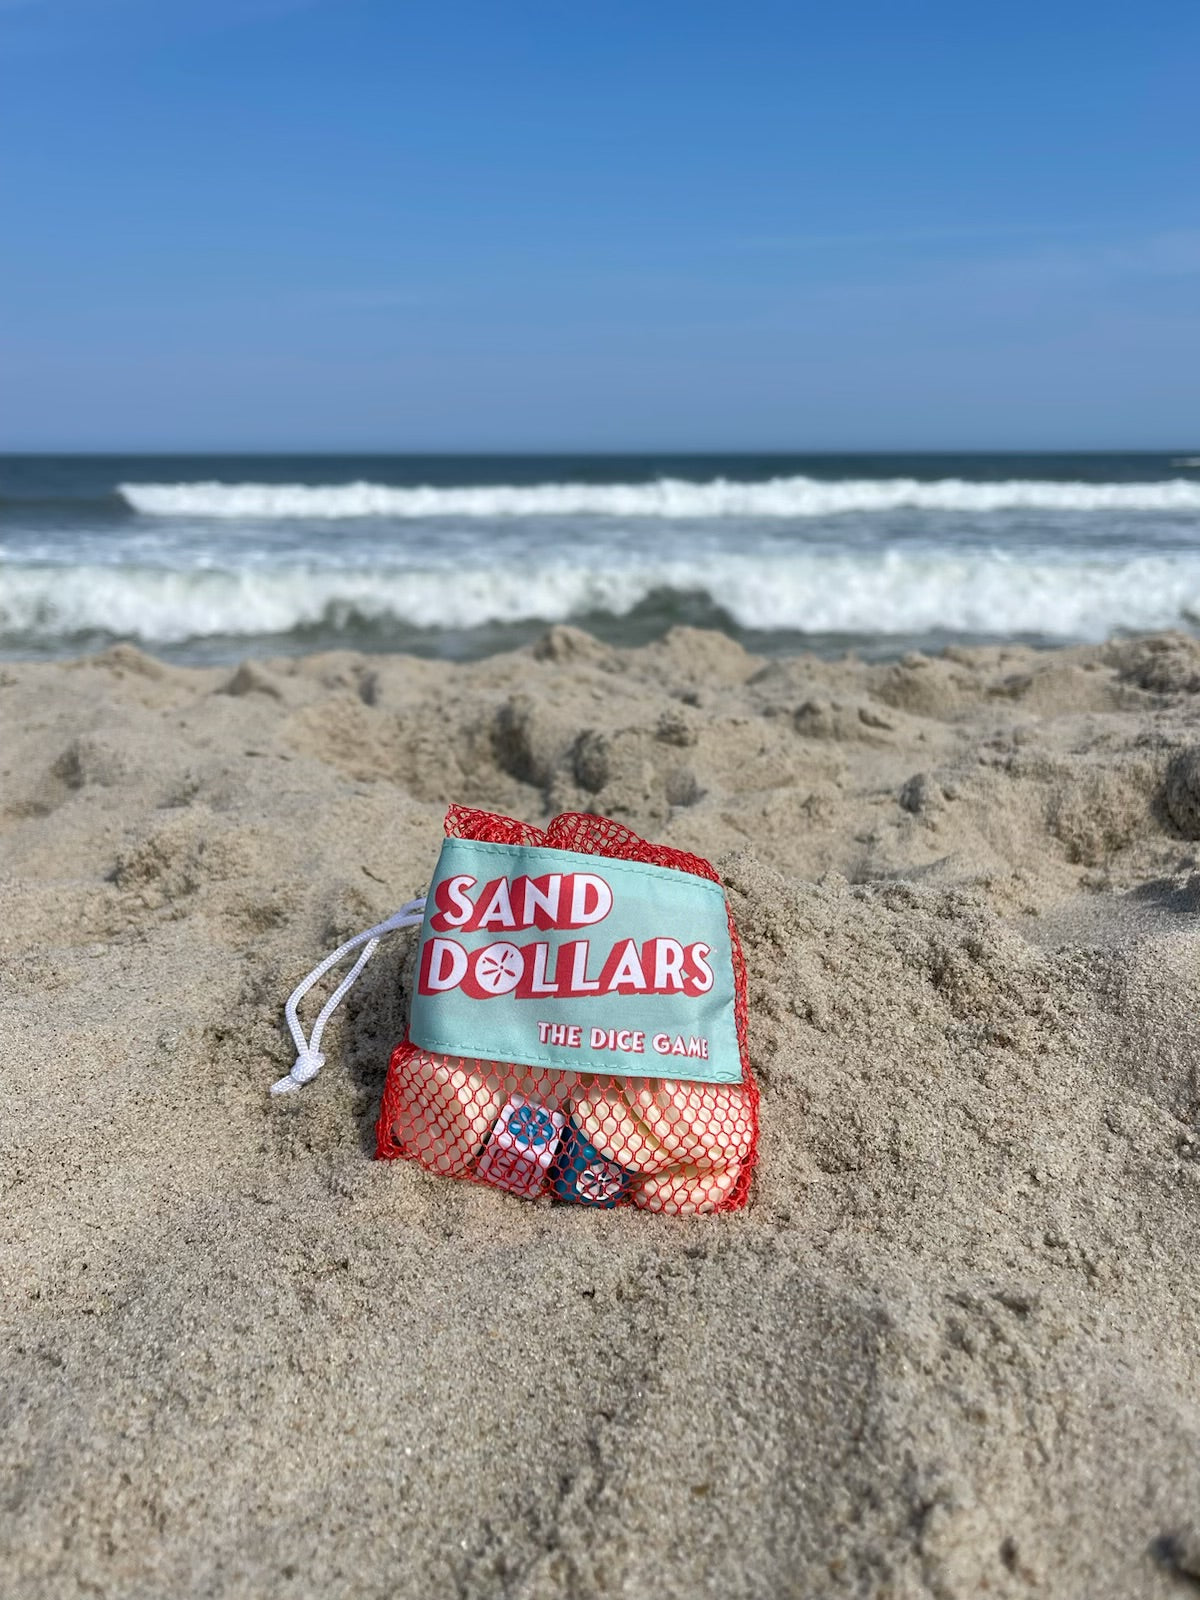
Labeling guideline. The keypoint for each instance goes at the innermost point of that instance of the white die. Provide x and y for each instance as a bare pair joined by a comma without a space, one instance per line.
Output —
518,1155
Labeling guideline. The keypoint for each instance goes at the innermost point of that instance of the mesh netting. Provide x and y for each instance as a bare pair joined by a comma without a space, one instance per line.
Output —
585,1138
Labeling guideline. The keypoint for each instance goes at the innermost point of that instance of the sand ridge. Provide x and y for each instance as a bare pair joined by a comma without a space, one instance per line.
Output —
950,1348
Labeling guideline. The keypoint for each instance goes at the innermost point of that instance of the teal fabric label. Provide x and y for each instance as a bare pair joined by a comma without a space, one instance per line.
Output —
583,963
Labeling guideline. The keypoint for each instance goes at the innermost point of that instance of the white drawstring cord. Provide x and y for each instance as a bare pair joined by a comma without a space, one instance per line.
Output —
309,1059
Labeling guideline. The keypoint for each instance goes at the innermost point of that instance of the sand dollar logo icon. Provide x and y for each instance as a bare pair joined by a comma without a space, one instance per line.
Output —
598,1182
532,1126
498,968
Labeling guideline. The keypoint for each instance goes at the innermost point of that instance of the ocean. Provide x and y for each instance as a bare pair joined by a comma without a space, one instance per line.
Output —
212,558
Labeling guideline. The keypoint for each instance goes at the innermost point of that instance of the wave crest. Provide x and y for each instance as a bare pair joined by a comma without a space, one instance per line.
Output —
900,593
665,497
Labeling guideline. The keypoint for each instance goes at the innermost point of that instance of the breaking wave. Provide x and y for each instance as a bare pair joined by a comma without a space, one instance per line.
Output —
665,497
811,592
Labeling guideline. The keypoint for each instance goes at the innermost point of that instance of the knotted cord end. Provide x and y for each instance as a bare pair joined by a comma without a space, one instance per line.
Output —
304,1069
309,1059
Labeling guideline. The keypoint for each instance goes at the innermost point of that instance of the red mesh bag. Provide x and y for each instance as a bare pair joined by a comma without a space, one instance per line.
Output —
676,1144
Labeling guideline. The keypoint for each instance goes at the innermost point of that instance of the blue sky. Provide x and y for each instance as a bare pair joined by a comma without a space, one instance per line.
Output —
351,224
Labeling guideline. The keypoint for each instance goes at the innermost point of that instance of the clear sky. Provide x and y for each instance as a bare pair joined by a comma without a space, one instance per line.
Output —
448,224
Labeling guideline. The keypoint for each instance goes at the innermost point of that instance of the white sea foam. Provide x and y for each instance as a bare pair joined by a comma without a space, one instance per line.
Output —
666,497
896,593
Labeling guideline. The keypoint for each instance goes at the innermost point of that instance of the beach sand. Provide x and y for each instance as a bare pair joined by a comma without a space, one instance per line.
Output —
952,1348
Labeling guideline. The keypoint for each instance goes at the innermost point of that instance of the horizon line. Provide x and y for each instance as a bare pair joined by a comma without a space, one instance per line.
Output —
557,451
